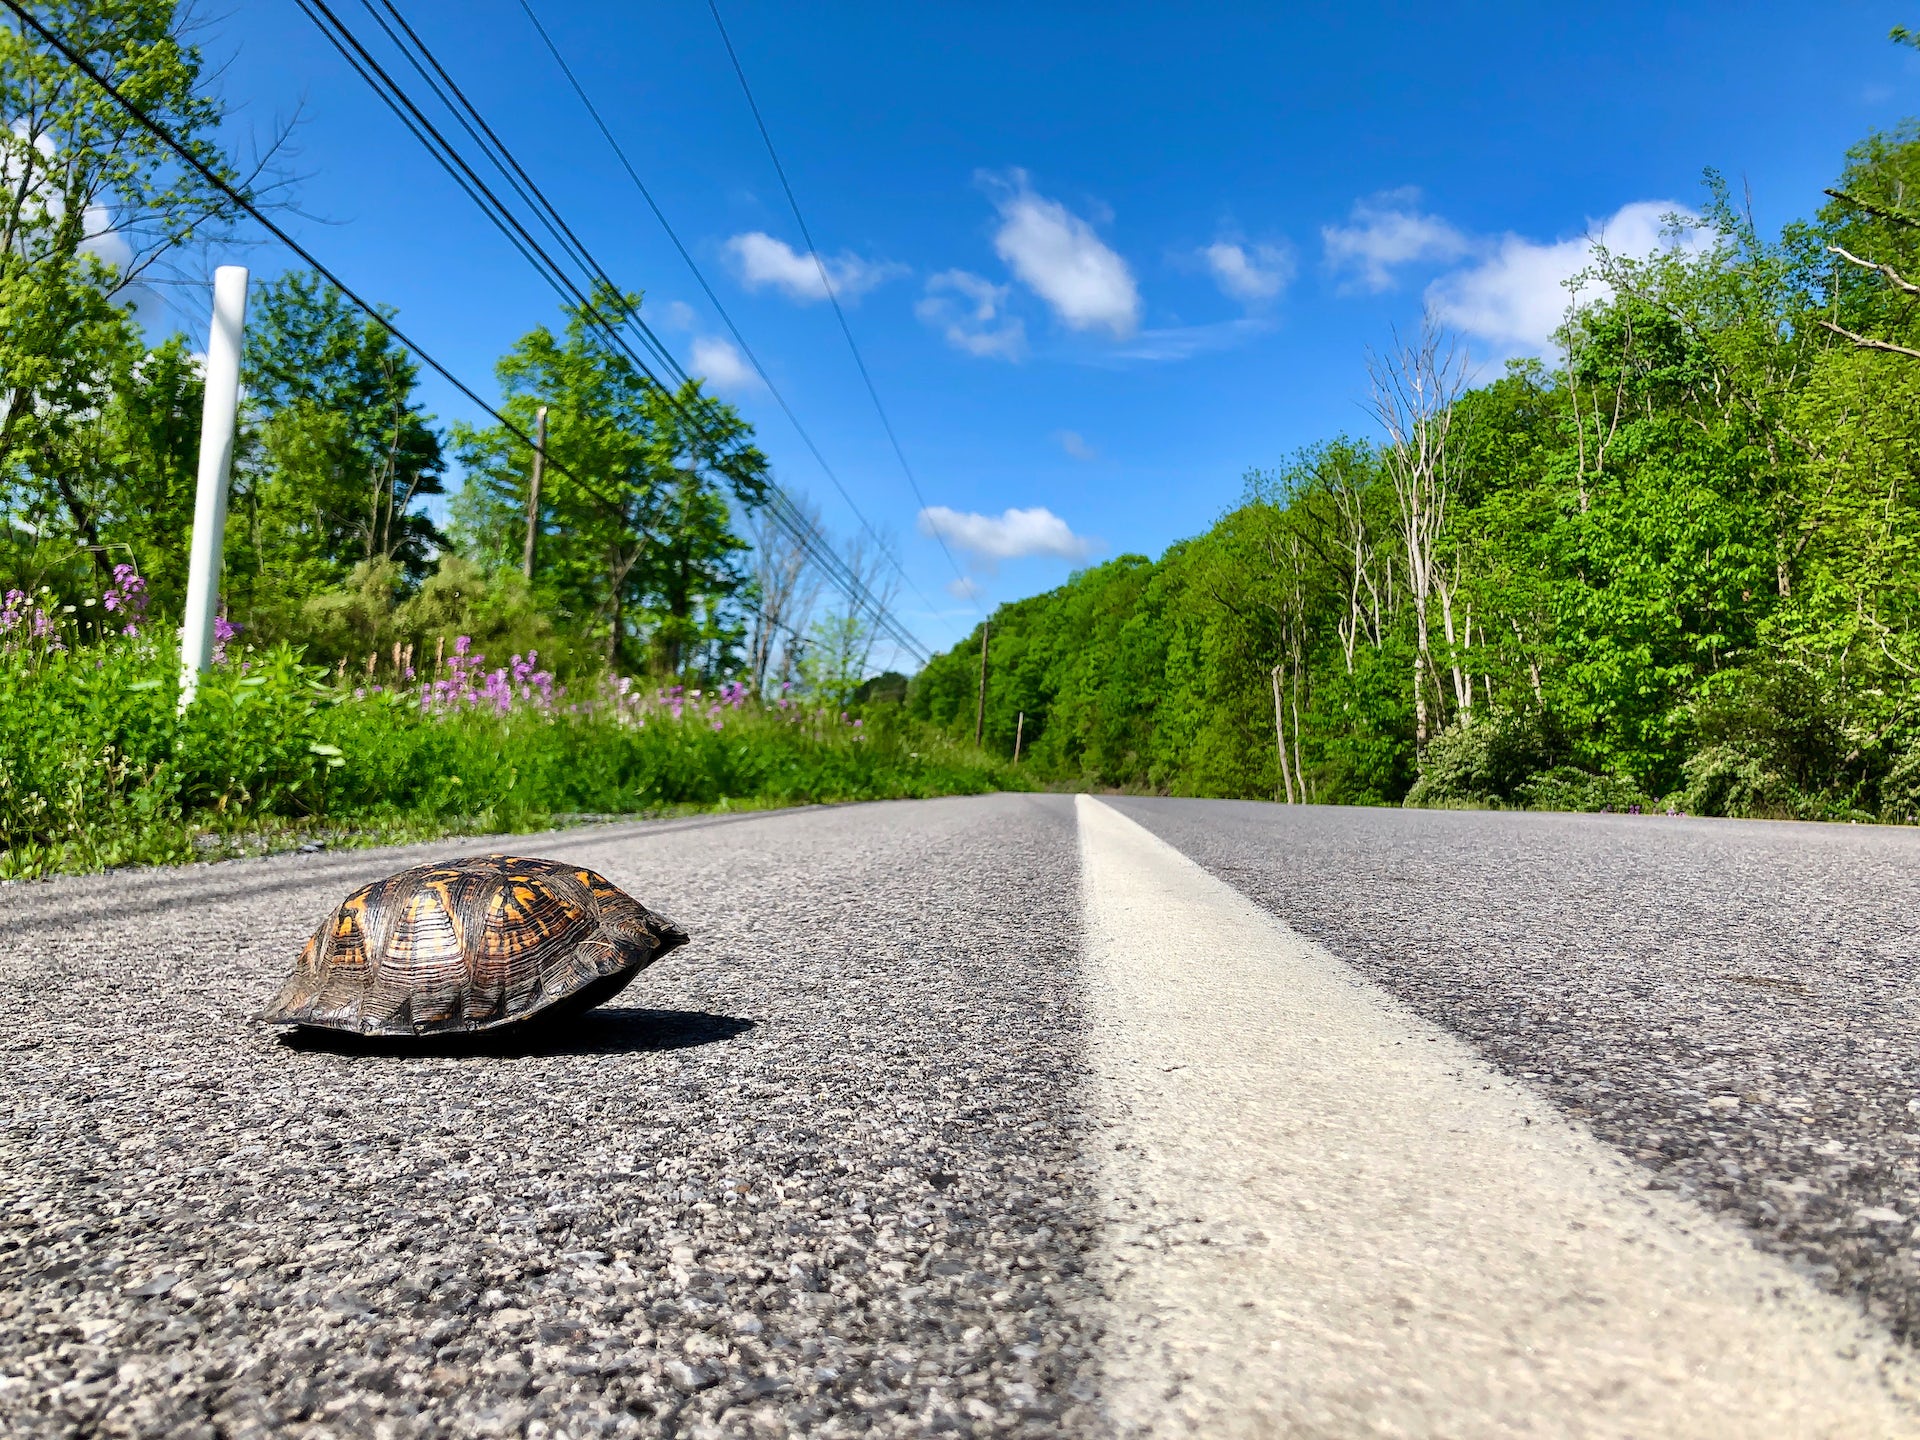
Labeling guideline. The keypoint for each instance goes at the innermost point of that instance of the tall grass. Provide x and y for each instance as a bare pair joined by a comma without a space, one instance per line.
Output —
97,769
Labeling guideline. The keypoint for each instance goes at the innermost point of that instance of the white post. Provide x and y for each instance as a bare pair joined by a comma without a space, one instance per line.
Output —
216,467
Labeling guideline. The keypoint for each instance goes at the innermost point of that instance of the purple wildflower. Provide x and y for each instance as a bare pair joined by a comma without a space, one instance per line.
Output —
223,631
127,596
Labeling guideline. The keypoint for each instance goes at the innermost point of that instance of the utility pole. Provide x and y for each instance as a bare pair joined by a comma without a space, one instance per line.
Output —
1019,734
533,491
980,715
217,415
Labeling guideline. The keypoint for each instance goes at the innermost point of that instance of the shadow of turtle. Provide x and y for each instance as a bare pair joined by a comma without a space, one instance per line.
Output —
597,1032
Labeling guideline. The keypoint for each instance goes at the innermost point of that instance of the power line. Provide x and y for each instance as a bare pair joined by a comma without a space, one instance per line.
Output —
706,287
449,158
241,201
238,198
826,282
444,153
548,215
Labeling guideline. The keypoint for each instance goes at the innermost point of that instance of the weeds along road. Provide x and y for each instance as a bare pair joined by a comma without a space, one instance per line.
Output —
1008,1115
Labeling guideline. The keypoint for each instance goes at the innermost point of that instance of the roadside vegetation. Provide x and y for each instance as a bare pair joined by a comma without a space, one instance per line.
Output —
1677,570
402,654
98,768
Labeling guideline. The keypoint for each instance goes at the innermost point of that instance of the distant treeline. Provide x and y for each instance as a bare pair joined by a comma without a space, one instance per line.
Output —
1679,568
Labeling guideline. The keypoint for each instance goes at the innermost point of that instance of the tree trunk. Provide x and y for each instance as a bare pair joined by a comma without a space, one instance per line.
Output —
613,625
1280,737
83,522
1421,665
1299,760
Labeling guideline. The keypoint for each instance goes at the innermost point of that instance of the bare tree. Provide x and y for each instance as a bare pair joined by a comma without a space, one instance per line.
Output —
1366,588
842,643
1415,388
788,587
1325,497
1289,559
870,557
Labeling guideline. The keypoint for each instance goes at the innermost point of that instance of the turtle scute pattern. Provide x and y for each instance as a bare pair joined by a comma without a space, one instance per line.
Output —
472,944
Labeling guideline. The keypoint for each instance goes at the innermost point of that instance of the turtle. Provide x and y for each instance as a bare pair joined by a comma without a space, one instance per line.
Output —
479,943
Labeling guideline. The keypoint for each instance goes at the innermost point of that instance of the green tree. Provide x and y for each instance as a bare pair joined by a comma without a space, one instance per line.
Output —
92,202
339,455
636,535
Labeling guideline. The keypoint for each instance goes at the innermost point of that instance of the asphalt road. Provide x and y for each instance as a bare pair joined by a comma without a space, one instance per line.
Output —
844,1164
1735,1005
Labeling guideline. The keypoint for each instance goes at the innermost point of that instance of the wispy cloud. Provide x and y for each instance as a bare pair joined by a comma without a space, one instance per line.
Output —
964,587
970,311
1251,274
762,262
1011,535
1075,444
1518,294
1183,342
1057,255
1386,231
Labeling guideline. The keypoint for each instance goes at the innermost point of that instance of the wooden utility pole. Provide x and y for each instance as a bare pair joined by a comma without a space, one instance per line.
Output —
980,715
533,491
1019,734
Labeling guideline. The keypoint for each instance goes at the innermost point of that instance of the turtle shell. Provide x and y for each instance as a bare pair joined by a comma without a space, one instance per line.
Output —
474,944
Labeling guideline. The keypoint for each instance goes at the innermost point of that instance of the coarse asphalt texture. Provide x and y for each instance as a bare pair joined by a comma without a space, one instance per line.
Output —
817,1172
828,1169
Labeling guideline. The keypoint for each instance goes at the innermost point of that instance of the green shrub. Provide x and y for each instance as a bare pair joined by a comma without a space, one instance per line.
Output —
1900,788
1484,759
1727,780
1566,787
98,769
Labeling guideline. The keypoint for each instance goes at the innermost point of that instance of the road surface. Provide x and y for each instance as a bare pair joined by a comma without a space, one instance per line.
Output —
1008,1115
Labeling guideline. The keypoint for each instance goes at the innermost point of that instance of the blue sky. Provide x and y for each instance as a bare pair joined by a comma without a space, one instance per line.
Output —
1101,259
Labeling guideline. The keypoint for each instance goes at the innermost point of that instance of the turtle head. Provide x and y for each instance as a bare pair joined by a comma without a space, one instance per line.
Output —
641,927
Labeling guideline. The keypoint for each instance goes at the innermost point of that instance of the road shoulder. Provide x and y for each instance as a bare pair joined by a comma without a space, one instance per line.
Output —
1327,1216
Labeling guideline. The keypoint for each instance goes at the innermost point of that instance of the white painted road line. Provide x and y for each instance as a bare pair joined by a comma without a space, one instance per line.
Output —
1327,1217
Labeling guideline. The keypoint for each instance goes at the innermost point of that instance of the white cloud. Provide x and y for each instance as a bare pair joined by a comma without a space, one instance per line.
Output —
103,241
1056,254
679,315
43,199
976,322
1389,230
762,261
1075,444
1518,295
964,587
724,366
1250,273
989,539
